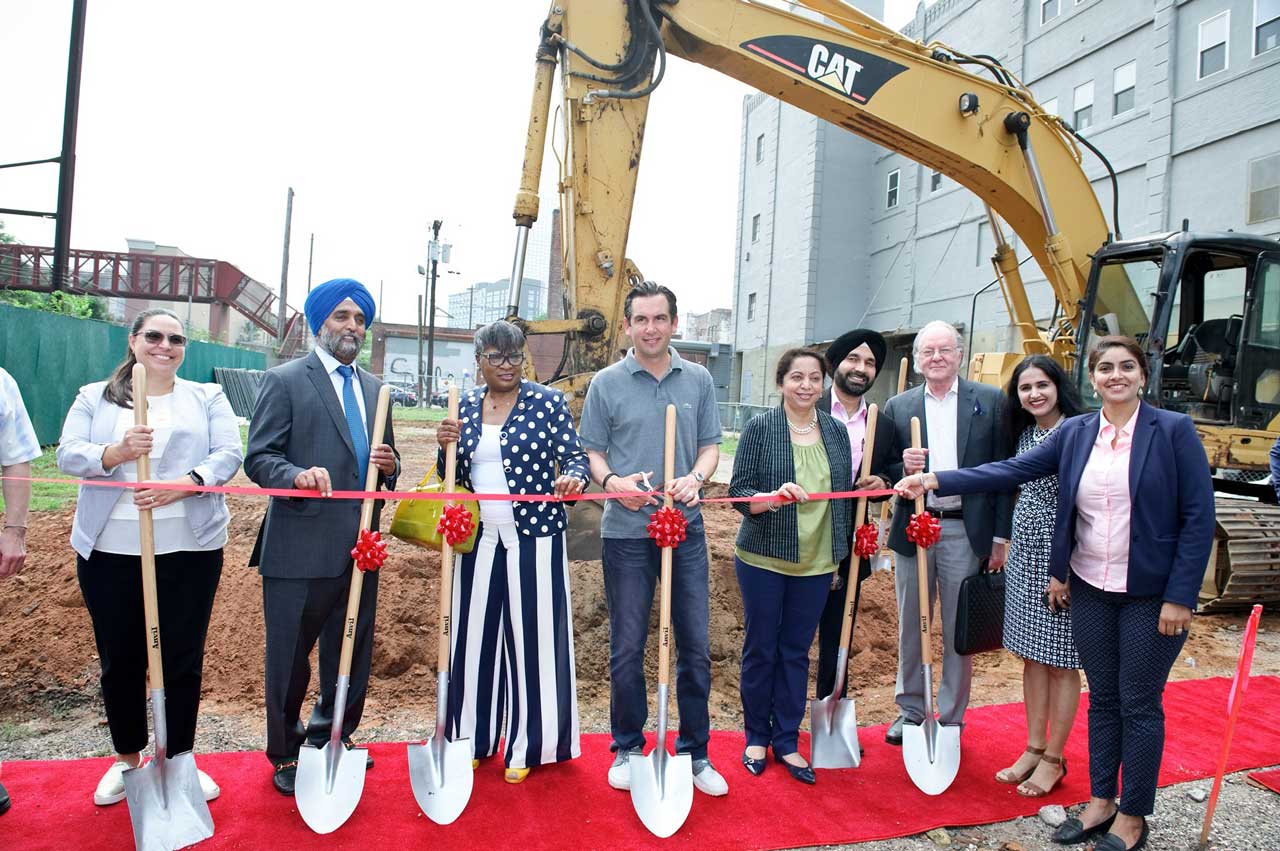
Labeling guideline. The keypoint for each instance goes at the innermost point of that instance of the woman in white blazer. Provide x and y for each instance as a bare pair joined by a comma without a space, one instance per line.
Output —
192,437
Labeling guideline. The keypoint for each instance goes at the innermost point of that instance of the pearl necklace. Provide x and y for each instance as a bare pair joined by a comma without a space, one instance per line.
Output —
795,429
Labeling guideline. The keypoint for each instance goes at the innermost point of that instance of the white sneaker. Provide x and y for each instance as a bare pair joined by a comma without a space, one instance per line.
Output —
207,786
620,771
707,780
111,787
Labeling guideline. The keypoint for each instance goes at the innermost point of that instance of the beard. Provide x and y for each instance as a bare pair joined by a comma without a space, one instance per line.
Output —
342,346
853,383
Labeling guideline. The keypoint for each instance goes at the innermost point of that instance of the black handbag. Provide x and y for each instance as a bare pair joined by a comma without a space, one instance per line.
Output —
980,613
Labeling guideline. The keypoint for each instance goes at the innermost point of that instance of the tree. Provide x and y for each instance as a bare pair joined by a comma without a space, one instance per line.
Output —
67,304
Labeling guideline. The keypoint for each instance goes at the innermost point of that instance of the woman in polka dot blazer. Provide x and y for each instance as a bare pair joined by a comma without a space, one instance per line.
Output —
512,652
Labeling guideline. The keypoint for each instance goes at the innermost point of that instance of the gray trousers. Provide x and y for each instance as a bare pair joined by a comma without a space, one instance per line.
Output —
950,561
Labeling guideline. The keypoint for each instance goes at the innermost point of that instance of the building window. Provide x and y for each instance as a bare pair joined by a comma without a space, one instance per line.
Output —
935,181
1082,104
1049,10
751,306
1213,45
1124,84
755,228
1050,106
1266,25
891,190
760,148
1264,189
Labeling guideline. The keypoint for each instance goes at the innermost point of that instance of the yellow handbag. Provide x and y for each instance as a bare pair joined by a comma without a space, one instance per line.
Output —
415,520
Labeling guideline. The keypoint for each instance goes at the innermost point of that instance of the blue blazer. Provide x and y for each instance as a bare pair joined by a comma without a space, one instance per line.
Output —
537,438
1171,522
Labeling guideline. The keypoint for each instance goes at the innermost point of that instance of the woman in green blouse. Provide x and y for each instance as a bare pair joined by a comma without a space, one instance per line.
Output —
787,549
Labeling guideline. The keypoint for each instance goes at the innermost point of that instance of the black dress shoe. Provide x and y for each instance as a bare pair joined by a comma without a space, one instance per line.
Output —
894,734
803,773
4,801
349,745
1111,842
1073,830
755,766
284,777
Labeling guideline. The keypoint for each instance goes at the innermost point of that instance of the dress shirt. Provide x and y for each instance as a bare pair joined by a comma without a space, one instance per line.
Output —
331,365
1101,556
940,417
17,438
856,425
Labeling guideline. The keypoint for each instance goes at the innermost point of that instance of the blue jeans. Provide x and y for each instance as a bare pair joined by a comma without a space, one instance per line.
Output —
631,569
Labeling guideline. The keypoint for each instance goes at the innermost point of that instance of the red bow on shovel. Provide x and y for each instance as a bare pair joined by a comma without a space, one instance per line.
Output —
667,526
370,552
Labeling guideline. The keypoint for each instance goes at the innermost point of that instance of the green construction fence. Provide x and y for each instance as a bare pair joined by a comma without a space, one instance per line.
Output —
53,356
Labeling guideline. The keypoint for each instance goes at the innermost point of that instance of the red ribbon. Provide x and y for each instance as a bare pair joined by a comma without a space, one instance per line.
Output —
370,550
924,530
456,524
667,526
866,540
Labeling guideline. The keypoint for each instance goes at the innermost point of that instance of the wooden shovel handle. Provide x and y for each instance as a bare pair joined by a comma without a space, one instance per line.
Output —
902,387
147,540
664,606
922,568
366,520
446,550
860,516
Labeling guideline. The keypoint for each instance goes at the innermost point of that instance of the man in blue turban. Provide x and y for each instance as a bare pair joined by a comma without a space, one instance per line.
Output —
312,429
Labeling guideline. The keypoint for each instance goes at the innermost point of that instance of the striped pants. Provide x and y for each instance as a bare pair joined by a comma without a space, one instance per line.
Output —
512,651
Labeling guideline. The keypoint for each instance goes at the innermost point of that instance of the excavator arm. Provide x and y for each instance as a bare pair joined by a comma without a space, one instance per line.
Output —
986,133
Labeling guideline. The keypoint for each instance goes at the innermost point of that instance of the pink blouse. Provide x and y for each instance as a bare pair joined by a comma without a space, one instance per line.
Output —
1101,556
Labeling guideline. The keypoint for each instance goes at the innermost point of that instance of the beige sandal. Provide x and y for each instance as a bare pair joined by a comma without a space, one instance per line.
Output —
1030,790
1004,776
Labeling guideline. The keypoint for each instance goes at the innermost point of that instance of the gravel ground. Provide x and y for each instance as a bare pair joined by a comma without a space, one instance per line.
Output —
1248,818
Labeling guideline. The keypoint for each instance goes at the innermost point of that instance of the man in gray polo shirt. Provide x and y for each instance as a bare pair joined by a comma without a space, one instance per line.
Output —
623,428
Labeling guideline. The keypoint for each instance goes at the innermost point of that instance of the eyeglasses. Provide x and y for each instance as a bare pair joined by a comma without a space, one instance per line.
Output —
945,351
498,358
154,337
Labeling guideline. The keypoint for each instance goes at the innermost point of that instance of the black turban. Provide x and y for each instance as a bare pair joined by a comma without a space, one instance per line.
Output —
850,340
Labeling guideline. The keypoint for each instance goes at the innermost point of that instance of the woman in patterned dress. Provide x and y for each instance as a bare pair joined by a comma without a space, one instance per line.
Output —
1040,396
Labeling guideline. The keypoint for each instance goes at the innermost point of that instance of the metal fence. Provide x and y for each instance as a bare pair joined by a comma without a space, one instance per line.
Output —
734,417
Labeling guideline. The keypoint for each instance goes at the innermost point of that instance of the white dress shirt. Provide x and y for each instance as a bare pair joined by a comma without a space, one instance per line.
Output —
940,417
331,365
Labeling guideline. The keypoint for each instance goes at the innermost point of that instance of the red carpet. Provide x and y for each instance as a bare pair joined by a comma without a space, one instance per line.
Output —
1266,779
570,806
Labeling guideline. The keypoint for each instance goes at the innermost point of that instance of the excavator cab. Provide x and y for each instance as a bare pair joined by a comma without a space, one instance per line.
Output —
1206,307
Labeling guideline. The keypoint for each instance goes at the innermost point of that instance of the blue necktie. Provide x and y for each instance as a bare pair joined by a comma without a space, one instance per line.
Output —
352,409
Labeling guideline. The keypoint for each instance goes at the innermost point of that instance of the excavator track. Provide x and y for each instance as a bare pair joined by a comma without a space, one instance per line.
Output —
1244,567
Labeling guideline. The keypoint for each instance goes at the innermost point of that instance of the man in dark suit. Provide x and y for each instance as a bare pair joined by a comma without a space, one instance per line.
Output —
855,358
312,430
960,425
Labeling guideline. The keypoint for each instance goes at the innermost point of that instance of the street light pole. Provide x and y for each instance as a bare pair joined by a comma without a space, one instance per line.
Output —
431,304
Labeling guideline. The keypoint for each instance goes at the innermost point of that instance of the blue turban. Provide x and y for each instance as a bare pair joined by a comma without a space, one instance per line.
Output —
323,299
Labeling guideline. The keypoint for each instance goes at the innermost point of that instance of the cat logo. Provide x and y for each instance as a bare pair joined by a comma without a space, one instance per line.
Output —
853,73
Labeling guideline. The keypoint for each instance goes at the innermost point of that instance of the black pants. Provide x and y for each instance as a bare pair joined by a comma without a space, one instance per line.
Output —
829,631
185,586
298,612
1127,662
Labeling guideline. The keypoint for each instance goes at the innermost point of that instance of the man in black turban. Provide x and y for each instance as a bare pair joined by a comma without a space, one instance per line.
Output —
855,358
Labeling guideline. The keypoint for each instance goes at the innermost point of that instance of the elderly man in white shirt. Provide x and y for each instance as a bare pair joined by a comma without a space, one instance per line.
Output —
961,427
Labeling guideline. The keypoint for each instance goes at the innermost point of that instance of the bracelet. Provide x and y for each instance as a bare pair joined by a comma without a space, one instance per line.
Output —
605,481
14,526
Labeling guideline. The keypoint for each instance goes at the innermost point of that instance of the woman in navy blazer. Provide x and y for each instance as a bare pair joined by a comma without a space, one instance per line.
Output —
1133,533
512,647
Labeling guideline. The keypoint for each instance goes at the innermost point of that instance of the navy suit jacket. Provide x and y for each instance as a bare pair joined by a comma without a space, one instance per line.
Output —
1171,520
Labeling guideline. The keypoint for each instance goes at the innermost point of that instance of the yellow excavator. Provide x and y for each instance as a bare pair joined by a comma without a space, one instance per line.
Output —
1205,306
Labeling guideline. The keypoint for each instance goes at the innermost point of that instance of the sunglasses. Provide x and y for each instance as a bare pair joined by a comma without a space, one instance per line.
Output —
498,358
154,337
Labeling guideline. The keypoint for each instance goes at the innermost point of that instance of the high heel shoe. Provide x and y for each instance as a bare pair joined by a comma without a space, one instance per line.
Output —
1006,776
1073,830
1034,791
803,773
755,766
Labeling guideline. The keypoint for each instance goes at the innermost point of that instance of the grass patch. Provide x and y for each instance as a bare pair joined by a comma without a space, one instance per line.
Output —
729,445
417,415
47,497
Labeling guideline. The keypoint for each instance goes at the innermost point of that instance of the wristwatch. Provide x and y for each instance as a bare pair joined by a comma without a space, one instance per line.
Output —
196,477
701,478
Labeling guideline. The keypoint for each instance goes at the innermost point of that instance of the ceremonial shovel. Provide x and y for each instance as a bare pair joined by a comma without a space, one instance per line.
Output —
440,770
930,750
330,780
662,784
832,719
166,804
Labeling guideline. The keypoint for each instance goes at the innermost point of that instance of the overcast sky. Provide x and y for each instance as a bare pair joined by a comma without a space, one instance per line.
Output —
195,118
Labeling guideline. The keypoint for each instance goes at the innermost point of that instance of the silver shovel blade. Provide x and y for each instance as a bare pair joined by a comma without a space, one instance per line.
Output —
931,752
833,725
662,790
441,775
328,785
166,804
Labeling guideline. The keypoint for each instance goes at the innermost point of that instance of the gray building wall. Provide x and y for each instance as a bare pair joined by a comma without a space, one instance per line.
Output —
842,258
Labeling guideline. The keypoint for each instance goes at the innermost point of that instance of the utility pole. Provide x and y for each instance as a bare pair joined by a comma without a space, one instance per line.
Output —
284,268
380,283
311,255
431,302
421,404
